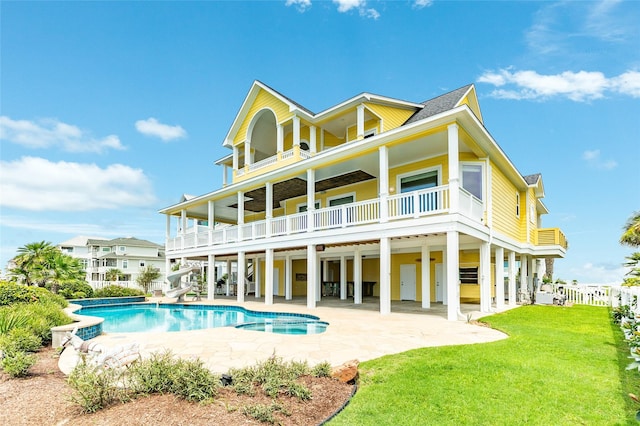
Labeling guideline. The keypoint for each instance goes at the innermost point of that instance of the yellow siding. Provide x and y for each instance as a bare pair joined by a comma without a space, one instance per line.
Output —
364,191
504,205
533,214
391,117
419,165
368,125
263,100
331,140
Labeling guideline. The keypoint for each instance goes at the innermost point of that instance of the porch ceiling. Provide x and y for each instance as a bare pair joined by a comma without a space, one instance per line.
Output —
297,187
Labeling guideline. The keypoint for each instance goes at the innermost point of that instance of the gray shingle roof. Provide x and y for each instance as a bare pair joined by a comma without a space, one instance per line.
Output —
128,241
532,179
439,104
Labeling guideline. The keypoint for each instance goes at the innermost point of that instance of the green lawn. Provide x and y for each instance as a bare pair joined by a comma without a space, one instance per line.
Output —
560,366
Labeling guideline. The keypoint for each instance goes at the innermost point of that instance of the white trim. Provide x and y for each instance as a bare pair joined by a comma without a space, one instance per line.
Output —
317,202
399,177
483,170
517,204
344,195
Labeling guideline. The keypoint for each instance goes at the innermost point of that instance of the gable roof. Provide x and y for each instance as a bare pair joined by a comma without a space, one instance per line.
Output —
440,104
126,241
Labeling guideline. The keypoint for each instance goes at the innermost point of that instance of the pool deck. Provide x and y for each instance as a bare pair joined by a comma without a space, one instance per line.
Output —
354,332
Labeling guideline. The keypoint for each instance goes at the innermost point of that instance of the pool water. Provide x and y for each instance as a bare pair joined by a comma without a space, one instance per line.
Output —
146,317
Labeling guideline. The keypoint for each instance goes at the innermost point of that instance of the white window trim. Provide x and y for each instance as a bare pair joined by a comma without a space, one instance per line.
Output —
318,203
418,172
482,165
337,197
518,204
125,264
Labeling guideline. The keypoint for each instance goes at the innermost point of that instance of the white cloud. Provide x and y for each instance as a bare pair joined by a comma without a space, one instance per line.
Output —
50,133
578,86
37,184
419,4
560,27
347,5
152,127
590,273
300,5
593,159
359,5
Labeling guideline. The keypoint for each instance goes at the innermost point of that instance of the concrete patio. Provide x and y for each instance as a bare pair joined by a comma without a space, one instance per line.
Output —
354,332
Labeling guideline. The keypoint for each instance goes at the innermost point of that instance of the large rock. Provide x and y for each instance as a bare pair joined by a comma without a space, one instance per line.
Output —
346,372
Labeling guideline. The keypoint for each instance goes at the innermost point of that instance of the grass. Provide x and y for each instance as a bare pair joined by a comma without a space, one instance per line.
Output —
559,366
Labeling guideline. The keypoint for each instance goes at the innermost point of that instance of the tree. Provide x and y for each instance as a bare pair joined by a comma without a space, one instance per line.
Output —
32,263
64,269
113,274
146,276
633,262
631,234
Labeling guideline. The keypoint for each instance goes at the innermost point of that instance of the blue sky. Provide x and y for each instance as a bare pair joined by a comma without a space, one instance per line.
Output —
110,111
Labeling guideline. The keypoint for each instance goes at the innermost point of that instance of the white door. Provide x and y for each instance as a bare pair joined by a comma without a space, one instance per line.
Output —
276,281
440,287
408,282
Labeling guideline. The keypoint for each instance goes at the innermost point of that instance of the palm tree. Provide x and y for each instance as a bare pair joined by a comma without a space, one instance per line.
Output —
32,262
631,234
113,274
65,270
633,262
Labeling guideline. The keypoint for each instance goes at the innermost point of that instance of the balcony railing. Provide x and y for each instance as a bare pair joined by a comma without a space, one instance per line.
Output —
551,236
416,204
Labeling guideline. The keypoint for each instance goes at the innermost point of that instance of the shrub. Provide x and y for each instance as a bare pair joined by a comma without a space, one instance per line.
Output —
20,340
152,375
264,413
96,388
117,291
321,370
193,381
10,319
17,363
11,293
73,290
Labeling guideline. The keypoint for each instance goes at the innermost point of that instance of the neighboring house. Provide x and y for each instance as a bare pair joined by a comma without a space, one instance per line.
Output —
129,255
373,196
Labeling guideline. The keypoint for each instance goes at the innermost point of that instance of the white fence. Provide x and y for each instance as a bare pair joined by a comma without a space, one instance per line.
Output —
96,285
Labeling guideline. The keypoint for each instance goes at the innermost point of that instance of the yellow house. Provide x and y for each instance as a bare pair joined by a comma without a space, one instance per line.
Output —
373,197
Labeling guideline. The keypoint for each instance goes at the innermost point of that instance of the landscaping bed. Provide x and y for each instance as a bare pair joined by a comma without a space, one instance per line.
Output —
44,396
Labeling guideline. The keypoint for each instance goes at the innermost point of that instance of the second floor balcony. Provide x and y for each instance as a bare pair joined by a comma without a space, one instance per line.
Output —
392,209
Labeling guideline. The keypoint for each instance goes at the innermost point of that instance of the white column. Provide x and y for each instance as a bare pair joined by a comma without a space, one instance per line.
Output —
453,275
296,130
228,292
343,278
242,270
167,228
499,278
210,219
211,277
269,207
236,159
268,279
312,140
523,273
426,276
311,198
360,121
224,175
385,276
311,276
357,276
317,280
512,278
247,152
288,290
279,138
454,174
485,277
257,277
383,179
531,269
183,227
240,218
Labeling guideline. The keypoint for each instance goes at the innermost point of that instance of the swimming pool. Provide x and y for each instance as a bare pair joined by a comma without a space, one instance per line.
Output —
131,318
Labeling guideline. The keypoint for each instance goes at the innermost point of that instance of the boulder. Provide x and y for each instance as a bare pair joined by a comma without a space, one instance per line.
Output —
346,372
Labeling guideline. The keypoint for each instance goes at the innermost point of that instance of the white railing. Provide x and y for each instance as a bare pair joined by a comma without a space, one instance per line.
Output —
409,205
305,154
97,285
419,203
263,163
471,205
287,154
628,296
585,294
